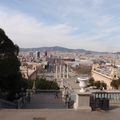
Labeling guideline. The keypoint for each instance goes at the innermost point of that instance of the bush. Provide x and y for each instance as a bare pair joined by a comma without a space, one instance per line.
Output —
115,84
91,82
98,84
44,84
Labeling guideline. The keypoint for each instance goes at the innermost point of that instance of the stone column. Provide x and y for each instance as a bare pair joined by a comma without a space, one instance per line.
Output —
60,71
82,97
63,71
62,83
56,72
82,101
67,71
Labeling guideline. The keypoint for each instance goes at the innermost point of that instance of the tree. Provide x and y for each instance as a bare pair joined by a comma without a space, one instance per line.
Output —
97,84
100,85
115,83
10,77
45,84
103,85
91,82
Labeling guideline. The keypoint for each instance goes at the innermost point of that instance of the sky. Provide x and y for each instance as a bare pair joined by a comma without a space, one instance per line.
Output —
85,24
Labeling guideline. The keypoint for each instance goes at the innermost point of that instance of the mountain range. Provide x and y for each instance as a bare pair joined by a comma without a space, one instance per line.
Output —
60,49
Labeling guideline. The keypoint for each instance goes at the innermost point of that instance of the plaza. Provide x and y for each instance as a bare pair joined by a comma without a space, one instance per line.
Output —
57,114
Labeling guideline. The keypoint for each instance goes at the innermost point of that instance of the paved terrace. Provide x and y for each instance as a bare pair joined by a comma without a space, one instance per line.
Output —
45,106
58,114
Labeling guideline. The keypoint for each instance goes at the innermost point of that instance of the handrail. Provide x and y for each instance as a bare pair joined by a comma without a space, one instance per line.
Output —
108,95
21,102
6,104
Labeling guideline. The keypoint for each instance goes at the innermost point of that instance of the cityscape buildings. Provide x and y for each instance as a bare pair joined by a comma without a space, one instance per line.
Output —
103,67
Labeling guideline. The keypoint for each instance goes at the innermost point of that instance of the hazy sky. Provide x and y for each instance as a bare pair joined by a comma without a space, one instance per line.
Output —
87,24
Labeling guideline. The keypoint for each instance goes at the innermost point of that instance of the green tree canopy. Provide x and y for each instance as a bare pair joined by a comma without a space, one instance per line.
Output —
43,84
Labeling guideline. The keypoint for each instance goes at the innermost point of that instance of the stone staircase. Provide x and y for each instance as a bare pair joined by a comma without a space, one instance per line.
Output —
7,104
45,100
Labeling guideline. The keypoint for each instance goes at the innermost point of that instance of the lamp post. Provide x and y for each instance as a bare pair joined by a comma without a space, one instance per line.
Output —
62,83
34,87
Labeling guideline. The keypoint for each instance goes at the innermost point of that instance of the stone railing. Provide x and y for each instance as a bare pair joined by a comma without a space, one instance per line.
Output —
112,96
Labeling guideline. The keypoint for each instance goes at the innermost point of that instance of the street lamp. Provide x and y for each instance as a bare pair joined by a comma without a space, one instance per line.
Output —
34,87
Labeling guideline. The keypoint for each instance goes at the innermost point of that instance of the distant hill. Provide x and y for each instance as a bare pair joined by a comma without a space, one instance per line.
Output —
118,53
57,48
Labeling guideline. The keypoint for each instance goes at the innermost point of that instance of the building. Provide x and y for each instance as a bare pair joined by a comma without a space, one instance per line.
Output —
30,70
105,74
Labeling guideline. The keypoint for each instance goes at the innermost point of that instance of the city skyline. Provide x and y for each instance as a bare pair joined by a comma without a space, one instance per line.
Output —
76,24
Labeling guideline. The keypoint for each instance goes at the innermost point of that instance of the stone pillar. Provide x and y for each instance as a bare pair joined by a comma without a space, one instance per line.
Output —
62,83
63,71
34,87
83,97
56,73
82,101
60,71
63,94
67,71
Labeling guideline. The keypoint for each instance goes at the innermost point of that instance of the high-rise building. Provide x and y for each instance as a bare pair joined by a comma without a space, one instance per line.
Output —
45,53
31,54
37,54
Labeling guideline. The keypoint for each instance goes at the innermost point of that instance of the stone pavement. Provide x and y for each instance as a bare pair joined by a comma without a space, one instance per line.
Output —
57,114
45,106
45,100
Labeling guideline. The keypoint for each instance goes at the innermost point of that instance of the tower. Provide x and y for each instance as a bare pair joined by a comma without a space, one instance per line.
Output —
45,53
